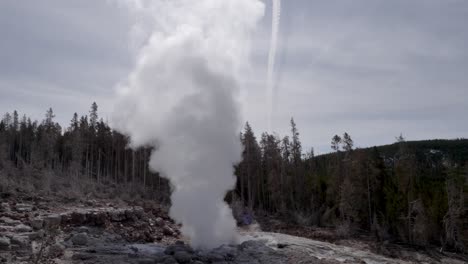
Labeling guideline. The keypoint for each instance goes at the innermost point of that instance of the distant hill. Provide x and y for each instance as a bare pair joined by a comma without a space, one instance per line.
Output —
454,149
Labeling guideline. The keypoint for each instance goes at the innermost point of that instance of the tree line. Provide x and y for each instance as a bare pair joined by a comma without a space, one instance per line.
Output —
88,150
410,192
407,191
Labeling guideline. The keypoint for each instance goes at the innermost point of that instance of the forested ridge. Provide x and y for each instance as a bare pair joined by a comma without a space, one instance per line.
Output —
85,156
409,191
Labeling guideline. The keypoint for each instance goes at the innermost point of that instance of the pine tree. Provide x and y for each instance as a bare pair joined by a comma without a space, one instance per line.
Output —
15,124
249,168
347,142
74,123
93,115
335,143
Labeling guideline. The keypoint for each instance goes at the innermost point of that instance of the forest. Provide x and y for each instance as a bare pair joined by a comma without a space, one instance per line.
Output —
409,192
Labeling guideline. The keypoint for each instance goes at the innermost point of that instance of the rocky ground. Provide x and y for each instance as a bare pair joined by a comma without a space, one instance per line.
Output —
43,230
39,230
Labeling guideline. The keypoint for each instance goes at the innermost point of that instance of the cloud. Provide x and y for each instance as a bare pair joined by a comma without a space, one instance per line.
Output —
367,67
344,64
60,55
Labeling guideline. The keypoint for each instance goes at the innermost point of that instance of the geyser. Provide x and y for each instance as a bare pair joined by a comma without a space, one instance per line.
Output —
181,99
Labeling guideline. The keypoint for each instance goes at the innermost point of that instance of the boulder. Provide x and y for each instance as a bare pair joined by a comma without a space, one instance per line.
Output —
96,218
23,208
65,219
169,260
52,221
146,261
212,257
21,240
5,243
80,239
55,250
82,229
183,257
37,223
159,222
130,215
139,211
179,246
117,215
5,207
5,228
168,231
8,221
83,256
36,235
22,228
228,252
78,218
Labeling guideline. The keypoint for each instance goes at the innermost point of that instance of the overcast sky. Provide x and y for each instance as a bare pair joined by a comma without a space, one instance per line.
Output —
373,68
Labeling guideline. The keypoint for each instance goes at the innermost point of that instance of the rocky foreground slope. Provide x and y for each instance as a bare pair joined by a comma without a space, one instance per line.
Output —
41,231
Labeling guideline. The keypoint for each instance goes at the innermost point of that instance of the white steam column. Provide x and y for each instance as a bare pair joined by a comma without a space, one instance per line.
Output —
275,21
181,98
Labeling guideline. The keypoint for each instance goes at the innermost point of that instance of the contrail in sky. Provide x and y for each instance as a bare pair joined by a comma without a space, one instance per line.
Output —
276,15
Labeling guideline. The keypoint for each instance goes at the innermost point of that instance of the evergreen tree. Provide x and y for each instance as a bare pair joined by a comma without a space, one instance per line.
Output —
335,143
347,142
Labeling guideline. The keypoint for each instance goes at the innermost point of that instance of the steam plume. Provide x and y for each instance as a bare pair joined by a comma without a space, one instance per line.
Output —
181,98
276,15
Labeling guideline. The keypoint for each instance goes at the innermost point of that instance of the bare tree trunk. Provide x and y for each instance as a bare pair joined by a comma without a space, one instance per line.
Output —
369,199
133,168
145,168
99,166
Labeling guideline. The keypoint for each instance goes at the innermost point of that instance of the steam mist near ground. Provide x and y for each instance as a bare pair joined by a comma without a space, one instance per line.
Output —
181,99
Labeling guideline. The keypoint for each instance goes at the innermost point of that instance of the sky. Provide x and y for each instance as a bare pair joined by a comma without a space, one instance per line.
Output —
372,68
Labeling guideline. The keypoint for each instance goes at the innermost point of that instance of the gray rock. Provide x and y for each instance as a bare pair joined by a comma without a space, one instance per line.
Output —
117,215
4,228
130,215
179,246
168,231
228,252
36,235
83,256
90,203
183,257
22,241
78,218
159,221
246,259
5,207
82,229
80,239
22,207
8,221
65,218
22,228
52,221
96,218
169,260
139,211
214,257
146,261
37,223
4,243
55,250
